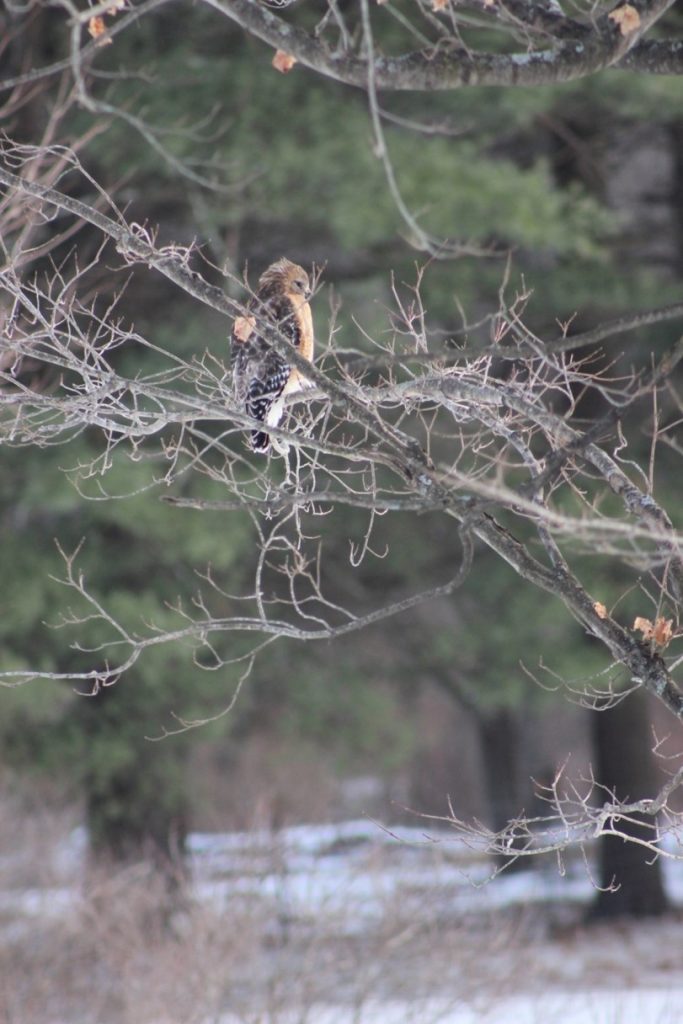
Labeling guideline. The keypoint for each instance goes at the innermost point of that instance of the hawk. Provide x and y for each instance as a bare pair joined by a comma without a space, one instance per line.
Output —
262,376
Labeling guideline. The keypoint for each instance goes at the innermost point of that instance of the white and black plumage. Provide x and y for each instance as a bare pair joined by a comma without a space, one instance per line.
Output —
262,376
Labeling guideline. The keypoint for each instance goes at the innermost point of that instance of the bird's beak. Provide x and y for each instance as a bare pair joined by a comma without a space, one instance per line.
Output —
308,293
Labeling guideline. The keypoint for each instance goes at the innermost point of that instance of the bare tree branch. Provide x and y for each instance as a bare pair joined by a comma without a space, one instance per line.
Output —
581,55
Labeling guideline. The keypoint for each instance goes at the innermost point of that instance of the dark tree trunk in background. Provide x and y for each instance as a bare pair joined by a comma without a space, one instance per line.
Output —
624,762
677,186
507,783
500,743
135,795
502,736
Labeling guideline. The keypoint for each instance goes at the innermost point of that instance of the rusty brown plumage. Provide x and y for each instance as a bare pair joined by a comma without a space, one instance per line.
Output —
263,376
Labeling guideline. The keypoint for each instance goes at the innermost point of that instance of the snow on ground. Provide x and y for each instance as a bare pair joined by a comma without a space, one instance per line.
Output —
355,866
352,868
638,1007
352,923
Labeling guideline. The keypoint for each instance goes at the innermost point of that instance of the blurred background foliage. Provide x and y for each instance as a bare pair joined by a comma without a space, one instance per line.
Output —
550,175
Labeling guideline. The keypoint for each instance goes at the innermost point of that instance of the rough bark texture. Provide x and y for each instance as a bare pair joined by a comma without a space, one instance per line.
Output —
573,51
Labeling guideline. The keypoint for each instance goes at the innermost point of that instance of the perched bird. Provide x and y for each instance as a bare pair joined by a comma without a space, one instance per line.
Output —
262,376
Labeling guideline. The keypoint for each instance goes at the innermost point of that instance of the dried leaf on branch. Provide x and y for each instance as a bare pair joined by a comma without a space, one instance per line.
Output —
661,631
626,18
283,62
98,30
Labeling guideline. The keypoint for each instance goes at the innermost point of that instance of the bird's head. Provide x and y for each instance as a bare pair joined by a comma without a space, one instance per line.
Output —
288,276
300,284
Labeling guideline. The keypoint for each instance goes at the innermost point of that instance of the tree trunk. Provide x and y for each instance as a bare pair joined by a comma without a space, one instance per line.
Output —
135,795
624,762
676,130
507,785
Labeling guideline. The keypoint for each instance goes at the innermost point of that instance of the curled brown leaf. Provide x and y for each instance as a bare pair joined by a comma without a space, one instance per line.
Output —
626,18
283,62
661,630
98,30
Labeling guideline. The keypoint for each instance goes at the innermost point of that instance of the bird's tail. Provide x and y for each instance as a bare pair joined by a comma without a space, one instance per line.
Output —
260,441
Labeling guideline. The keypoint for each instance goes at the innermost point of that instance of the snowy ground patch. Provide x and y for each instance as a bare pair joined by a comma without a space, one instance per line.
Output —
638,1007
348,923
